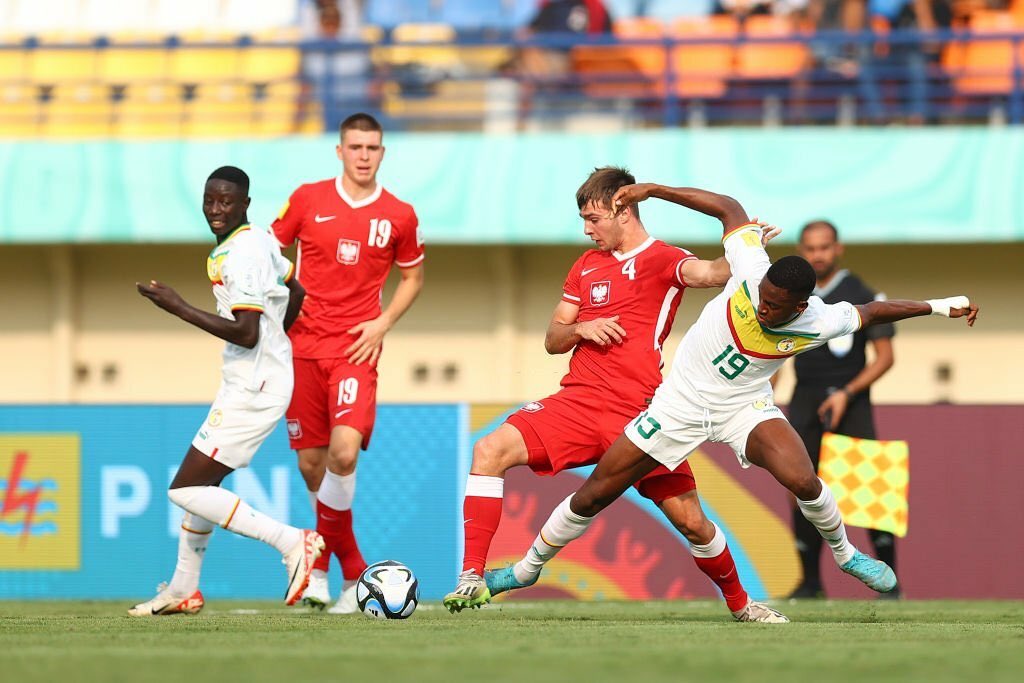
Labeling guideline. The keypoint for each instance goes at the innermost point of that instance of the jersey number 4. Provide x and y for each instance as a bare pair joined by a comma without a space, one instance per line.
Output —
629,268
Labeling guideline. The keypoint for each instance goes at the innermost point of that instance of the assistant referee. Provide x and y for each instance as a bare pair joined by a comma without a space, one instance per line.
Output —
833,389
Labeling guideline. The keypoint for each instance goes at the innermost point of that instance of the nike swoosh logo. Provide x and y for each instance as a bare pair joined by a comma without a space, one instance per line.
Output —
469,520
342,412
322,219
588,270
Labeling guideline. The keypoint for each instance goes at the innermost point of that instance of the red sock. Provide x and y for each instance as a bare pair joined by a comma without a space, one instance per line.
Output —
482,515
326,528
346,548
722,570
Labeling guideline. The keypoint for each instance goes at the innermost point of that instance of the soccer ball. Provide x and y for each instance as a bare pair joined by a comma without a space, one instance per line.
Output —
387,590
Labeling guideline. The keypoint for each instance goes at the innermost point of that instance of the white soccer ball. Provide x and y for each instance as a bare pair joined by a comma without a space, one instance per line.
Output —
387,590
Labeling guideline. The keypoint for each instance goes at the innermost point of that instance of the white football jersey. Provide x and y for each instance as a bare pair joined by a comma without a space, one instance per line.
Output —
248,273
727,357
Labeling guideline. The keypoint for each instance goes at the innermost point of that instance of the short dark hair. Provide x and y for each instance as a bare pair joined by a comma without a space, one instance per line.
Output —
793,274
232,174
820,223
360,121
602,185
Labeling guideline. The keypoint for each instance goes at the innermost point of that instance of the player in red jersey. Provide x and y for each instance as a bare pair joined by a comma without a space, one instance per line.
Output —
350,231
617,309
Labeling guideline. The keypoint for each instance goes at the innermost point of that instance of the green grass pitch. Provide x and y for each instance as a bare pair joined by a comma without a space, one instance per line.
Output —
519,641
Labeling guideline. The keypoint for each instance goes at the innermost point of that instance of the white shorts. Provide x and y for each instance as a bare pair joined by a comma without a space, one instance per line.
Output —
669,431
239,422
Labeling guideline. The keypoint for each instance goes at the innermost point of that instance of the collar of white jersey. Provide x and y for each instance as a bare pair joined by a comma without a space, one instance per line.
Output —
634,251
362,202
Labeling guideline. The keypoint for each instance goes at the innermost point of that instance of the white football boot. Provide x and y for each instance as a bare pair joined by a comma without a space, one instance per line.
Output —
758,611
299,563
346,601
318,592
165,603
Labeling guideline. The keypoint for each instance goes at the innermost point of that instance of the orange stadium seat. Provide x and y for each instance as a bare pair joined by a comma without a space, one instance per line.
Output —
635,71
700,71
985,67
771,60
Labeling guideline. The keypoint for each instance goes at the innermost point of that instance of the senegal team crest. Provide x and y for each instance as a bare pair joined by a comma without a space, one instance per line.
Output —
348,252
600,293
785,345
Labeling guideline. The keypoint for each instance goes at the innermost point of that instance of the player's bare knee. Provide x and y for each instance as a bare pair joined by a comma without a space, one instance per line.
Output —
806,486
342,459
490,457
312,473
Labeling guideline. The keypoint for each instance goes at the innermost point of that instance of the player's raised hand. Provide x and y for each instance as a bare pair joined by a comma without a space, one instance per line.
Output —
366,347
628,195
163,296
602,331
768,231
970,312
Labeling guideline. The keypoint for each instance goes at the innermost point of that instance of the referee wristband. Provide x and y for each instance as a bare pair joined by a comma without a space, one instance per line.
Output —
943,306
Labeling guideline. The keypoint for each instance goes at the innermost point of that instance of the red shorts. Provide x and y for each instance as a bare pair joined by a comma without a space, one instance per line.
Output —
330,392
576,426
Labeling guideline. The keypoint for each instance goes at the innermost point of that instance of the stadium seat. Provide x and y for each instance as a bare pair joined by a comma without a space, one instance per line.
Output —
120,65
770,60
149,111
269,63
51,64
634,71
700,70
13,65
78,111
985,66
202,64
20,111
405,50
219,110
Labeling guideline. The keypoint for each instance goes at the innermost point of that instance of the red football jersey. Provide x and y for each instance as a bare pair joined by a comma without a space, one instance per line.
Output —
345,253
643,287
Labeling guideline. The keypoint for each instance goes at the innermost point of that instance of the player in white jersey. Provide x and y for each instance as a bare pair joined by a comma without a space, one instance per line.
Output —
257,300
719,389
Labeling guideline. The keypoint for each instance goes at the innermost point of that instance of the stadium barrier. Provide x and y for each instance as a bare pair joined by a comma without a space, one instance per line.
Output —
929,185
83,512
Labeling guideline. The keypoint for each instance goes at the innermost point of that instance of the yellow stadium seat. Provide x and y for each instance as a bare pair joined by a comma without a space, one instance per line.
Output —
13,65
191,64
149,111
123,65
276,116
406,51
268,63
221,110
20,111
78,111
52,65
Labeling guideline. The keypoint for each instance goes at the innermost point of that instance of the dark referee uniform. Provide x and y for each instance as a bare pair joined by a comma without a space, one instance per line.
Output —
827,368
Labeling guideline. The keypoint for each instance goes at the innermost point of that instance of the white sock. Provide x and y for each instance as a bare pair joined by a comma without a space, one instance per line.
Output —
193,538
337,491
823,513
484,486
234,514
562,527
312,500
319,574
713,548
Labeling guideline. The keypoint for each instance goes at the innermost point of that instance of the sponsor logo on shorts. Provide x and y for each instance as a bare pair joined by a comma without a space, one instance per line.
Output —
294,429
532,407
348,252
216,417
785,345
600,293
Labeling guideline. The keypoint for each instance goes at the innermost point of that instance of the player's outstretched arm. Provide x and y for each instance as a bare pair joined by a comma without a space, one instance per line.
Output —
244,330
720,206
296,295
878,312
565,332
703,274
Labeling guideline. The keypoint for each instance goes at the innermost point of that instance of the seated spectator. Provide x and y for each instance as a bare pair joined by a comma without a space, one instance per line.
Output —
581,17
338,65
